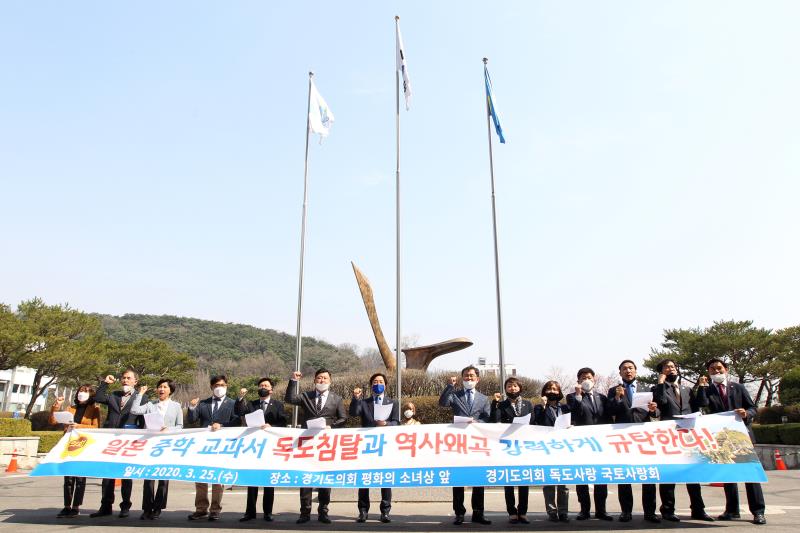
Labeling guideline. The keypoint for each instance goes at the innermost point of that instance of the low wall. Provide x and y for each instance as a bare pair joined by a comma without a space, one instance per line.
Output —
789,453
27,449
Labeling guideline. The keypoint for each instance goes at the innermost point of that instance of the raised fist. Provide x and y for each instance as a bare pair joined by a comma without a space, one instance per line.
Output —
194,401
59,402
498,396
544,400
242,393
142,390
357,393
297,375
110,379
578,390
662,378
619,392
453,380
703,381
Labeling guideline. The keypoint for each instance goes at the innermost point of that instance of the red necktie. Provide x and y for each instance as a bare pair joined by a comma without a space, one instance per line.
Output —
724,395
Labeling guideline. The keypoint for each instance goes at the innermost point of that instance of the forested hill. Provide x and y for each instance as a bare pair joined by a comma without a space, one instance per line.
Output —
213,342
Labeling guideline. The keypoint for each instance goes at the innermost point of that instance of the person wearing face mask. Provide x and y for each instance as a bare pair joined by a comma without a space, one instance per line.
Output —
556,497
365,408
674,398
215,412
723,395
155,500
86,415
274,415
410,415
318,403
119,416
620,403
589,407
467,402
504,412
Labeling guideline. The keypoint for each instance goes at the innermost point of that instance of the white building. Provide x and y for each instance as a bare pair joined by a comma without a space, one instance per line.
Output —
493,369
16,389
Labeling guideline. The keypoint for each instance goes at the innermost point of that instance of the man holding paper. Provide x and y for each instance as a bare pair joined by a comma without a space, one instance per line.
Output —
628,406
159,415
375,410
264,412
321,409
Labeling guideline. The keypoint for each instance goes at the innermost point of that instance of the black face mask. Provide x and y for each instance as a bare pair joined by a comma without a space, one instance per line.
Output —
512,395
672,378
554,396
263,393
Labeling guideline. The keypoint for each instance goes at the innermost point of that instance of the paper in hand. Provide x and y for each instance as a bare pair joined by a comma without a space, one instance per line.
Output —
526,420
641,399
462,419
382,412
563,421
63,417
316,423
153,421
255,419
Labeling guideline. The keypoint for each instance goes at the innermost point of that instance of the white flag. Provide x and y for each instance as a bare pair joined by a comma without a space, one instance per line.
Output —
320,116
401,64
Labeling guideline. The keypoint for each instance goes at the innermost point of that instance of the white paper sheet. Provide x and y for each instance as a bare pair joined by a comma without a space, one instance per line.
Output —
154,420
641,399
63,417
316,423
563,421
691,415
255,419
462,419
382,412
526,420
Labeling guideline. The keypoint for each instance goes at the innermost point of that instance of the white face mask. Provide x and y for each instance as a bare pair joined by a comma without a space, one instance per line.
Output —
127,388
718,378
83,396
219,392
408,413
587,385
321,387
469,385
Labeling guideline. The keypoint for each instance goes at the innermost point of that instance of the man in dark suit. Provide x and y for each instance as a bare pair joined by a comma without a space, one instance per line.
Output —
723,395
317,403
214,412
467,402
274,415
620,405
673,398
589,407
119,417
365,408
505,412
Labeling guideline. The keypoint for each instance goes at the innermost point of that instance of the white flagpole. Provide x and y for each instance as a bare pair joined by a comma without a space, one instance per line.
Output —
398,352
299,338
496,254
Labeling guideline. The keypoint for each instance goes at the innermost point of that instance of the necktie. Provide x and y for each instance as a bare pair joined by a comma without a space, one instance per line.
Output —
214,406
516,407
377,400
319,403
469,401
124,400
591,402
264,405
629,392
724,395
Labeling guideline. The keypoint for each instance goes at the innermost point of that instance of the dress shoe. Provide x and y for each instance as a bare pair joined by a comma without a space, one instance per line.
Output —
604,516
625,517
523,519
101,512
759,519
303,519
63,513
702,516
73,512
480,519
213,517
156,515
145,516
247,518
670,517
385,518
512,519
267,517
459,520
362,517
196,516
324,519
653,519
553,517
729,516
123,513
563,518
582,516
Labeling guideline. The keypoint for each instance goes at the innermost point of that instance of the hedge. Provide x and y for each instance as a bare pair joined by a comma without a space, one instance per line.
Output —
14,427
47,439
777,433
775,413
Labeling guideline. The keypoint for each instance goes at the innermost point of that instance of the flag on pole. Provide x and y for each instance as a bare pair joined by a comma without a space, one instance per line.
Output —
490,101
401,63
320,116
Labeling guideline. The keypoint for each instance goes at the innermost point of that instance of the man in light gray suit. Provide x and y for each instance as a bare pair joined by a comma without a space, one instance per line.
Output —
467,402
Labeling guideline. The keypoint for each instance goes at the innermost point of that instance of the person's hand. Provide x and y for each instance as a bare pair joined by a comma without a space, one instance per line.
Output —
69,427
453,381
242,392
380,422
297,375
327,427
741,412
357,393
619,392
652,407
110,379
194,401
142,390
59,402
578,390
215,426
266,426
498,396
702,382
662,378
544,400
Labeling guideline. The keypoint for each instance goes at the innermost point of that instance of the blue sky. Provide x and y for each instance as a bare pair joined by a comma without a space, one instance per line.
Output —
151,160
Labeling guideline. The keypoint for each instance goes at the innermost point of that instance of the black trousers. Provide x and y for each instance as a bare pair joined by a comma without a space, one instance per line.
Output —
755,498
386,500
477,501
667,493
600,496
266,501
74,487
107,501
323,495
556,499
153,501
625,493
512,508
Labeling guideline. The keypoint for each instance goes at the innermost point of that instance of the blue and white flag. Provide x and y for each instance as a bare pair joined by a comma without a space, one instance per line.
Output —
320,116
401,64
490,105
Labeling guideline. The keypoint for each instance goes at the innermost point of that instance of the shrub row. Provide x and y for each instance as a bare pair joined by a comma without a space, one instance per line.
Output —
777,433
774,414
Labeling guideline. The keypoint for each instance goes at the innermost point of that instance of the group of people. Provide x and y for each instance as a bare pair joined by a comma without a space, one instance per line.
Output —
713,393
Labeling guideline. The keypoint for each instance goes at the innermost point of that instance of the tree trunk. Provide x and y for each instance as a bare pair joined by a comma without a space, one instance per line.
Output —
36,391
760,390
